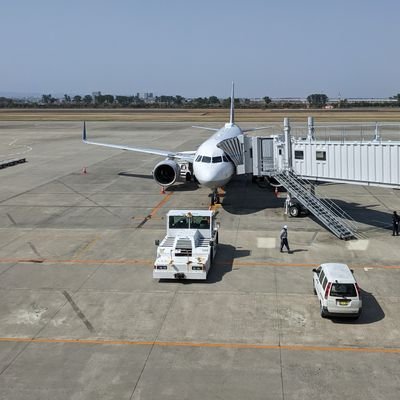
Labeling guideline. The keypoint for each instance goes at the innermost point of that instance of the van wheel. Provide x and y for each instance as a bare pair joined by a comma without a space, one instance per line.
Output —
294,211
322,311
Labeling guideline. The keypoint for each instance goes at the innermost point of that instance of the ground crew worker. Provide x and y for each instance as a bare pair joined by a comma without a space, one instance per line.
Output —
284,239
395,222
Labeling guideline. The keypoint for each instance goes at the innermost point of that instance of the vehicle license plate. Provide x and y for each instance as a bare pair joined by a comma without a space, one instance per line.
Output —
343,302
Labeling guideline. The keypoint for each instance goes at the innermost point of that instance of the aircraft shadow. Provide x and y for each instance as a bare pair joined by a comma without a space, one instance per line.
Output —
258,196
183,187
180,187
129,174
363,214
252,198
371,311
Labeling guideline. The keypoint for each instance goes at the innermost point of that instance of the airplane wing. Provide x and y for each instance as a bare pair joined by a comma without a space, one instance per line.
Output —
182,155
257,129
205,127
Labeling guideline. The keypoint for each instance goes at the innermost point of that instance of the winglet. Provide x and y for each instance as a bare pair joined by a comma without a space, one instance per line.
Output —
84,131
232,114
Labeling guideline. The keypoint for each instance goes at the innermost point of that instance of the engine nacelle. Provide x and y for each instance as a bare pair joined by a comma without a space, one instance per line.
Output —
167,172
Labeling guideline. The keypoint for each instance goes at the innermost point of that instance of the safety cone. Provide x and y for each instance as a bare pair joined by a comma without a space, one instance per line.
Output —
162,191
84,171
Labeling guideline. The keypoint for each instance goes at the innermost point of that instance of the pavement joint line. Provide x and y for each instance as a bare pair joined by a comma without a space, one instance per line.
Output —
150,262
388,350
78,311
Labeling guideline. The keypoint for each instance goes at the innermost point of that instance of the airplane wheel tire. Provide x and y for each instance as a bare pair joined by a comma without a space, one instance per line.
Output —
322,311
294,211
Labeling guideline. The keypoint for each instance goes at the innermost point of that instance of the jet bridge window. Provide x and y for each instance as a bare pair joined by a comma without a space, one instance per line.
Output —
225,158
206,159
299,155
320,155
217,159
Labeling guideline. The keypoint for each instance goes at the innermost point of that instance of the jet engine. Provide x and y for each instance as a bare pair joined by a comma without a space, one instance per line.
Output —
167,172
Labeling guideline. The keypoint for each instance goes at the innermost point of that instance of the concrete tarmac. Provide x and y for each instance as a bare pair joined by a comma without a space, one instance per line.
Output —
82,318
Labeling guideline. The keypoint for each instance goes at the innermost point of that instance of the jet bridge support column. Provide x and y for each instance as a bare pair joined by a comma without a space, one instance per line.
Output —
310,125
288,144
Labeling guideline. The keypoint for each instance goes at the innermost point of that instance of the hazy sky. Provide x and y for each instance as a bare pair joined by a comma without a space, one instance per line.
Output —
276,48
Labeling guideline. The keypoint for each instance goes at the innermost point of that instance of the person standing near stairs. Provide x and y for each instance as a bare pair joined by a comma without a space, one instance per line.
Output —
284,239
395,222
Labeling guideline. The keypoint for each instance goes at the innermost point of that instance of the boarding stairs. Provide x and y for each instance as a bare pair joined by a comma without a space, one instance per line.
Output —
325,210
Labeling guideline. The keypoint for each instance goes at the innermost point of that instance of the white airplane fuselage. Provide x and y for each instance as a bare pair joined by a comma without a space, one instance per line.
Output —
211,166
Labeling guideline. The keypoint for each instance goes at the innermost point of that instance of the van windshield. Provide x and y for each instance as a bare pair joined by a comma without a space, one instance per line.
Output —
343,290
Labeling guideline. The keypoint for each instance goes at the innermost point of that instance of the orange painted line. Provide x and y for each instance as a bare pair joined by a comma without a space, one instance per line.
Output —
390,350
150,262
160,204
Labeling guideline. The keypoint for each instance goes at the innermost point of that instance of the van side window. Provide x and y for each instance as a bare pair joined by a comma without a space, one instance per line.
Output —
321,277
324,283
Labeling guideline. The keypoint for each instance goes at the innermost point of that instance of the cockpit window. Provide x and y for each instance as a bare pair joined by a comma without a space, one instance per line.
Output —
206,159
198,158
225,158
217,159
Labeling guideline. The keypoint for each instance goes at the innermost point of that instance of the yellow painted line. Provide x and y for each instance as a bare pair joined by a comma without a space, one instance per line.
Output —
390,350
160,204
87,246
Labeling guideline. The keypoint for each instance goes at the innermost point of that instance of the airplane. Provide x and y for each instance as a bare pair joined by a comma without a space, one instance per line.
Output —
213,164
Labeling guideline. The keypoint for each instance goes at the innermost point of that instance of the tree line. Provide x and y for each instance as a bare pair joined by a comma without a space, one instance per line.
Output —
316,100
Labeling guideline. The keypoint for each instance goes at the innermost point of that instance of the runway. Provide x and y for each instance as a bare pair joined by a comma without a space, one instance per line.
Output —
82,318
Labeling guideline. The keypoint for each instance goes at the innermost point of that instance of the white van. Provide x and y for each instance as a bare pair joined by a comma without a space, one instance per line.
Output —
337,290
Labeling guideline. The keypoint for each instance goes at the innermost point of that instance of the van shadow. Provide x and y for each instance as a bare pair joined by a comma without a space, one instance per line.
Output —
371,311
222,265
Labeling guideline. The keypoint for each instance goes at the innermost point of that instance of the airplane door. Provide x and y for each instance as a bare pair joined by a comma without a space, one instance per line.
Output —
266,154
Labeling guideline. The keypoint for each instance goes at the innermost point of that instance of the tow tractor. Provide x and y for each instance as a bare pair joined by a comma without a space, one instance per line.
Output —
188,249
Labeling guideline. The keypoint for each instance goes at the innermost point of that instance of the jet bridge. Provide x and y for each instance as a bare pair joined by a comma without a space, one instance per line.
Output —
292,161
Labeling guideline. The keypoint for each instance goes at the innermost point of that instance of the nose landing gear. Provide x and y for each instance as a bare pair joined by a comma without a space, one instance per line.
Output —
214,197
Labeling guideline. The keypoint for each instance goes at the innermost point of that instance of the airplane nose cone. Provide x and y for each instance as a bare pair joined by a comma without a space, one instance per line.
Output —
213,175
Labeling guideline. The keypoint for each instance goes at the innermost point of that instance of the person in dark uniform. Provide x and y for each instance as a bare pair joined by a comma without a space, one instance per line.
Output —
395,222
284,239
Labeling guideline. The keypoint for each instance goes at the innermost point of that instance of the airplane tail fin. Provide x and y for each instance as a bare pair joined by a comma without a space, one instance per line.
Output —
232,113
